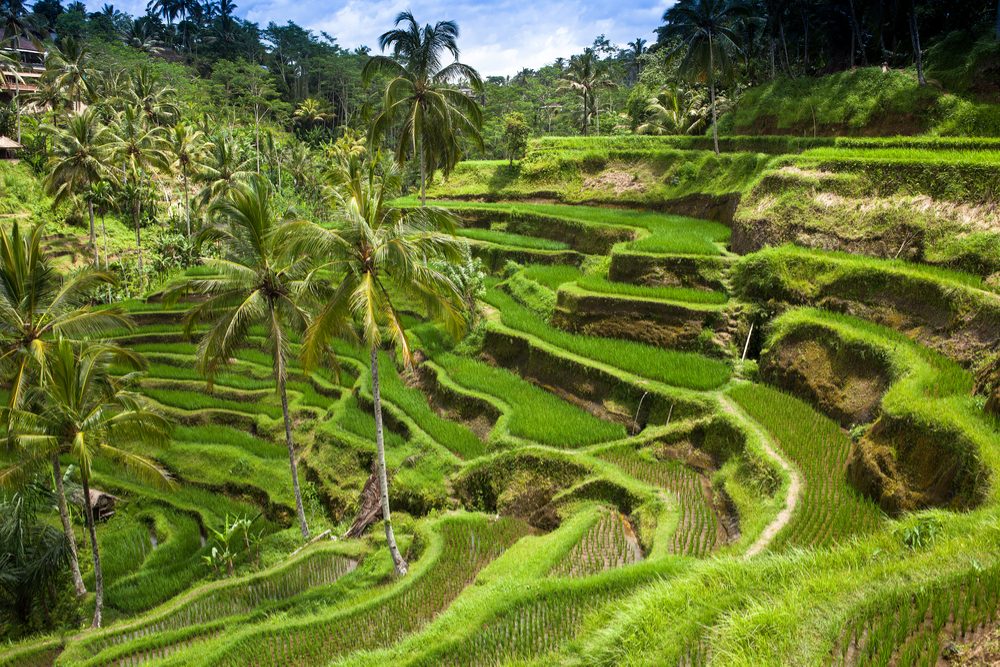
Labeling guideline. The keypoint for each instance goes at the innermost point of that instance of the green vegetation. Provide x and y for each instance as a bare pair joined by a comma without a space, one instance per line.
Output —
714,378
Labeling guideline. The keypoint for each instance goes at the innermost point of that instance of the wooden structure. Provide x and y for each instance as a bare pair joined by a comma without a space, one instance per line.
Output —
9,149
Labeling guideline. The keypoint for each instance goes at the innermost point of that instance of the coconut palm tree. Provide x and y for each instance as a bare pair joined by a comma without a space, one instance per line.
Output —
636,50
187,151
38,305
224,168
258,282
83,408
139,148
384,255
707,40
68,67
312,112
157,100
78,157
586,76
420,98
667,113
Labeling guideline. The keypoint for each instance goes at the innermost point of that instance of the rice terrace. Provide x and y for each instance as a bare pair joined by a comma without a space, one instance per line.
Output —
486,333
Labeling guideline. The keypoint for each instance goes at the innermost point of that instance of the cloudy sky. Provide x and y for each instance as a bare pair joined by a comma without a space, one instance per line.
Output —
497,36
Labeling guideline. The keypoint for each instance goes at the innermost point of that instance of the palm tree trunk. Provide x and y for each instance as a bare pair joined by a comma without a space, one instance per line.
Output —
93,236
138,233
915,39
303,526
711,94
187,203
390,537
88,512
74,559
423,176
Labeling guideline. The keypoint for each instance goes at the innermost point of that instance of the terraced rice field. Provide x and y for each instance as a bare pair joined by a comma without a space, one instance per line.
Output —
663,552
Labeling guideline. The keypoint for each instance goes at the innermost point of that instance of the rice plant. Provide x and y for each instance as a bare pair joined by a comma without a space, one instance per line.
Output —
609,543
467,546
830,509
698,530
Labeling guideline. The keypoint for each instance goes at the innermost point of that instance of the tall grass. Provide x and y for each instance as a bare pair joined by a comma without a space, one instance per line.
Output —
830,510
679,369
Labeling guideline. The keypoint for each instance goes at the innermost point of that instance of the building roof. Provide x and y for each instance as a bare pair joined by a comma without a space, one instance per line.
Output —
23,44
6,143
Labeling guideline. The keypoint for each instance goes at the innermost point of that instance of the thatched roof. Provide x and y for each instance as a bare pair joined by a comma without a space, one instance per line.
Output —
9,144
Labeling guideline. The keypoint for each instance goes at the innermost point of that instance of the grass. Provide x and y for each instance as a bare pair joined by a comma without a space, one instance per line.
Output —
508,239
830,510
679,369
610,542
452,561
530,413
697,529
662,233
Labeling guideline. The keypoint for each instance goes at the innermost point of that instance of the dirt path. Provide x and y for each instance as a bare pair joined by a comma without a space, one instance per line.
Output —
795,479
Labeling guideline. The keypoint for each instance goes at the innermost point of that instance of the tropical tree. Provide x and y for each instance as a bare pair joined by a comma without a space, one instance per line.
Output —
187,151
139,148
668,113
420,98
258,282
224,168
81,407
385,255
38,305
69,69
78,157
707,41
157,101
34,556
311,112
586,76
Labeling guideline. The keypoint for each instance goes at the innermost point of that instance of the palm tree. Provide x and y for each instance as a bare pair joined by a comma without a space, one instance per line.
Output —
187,150
384,255
223,170
36,306
585,76
79,153
708,40
68,67
637,49
311,112
157,101
84,409
140,149
666,113
258,283
431,113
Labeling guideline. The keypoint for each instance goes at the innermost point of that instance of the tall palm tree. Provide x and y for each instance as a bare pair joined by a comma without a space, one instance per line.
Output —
224,168
187,150
36,306
586,76
384,255
157,101
258,282
432,114
79,153
140,149
637,49
83,408
69,69
708,40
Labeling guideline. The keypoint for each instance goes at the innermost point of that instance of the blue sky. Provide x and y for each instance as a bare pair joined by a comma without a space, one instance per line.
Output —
497,36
